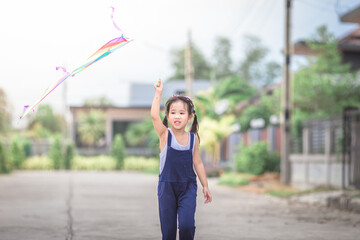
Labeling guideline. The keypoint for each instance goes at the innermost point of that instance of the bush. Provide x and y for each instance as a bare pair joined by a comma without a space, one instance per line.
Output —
37,163
150,165
233,180
27,147
94,163
118,151
4,163
69,156
56,154
17,153
273,162
256,159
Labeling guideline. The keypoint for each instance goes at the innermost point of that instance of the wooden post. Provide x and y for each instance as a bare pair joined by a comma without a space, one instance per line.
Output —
189,69
285,125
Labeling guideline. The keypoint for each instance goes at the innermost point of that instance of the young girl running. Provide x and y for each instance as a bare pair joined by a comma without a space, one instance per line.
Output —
177,188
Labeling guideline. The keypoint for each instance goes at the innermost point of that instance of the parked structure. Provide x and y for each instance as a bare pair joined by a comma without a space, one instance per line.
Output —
119,118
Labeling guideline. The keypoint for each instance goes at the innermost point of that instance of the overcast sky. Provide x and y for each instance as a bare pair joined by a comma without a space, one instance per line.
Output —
38,35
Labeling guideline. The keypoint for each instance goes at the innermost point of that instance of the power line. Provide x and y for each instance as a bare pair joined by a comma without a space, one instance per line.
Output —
248,16
267,15
314,5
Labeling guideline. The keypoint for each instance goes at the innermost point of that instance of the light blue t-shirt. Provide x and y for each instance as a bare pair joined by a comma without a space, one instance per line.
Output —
175,145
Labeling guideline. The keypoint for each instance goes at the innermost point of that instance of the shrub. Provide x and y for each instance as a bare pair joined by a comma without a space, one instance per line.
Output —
4,163
94,163
37,163
273,162
56,154
17,153
118,151
256,159
69,156
27,147
233,180
150,165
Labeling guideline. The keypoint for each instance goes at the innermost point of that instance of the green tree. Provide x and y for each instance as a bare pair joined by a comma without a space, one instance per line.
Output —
254,112
44,122
91,127
142,134
4,161
56,154
69,156
324,86
118,151
17,153
234,89
212,132
98,102
4,112
222,58
202,68
253,69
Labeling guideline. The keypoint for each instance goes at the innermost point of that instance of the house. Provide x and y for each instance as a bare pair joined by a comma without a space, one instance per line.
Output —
349,45
329,154
118,119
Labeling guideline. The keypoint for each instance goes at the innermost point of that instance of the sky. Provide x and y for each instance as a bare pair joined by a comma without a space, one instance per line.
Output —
39,35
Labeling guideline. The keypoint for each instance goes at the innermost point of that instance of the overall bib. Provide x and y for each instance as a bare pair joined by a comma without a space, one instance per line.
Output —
177,191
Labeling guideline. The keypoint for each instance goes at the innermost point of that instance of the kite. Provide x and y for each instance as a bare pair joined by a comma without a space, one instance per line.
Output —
102,52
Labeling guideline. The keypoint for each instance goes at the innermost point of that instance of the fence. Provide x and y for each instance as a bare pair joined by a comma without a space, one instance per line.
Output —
330,154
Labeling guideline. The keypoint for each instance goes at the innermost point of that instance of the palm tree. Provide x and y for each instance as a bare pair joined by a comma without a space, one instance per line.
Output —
91,127
212,132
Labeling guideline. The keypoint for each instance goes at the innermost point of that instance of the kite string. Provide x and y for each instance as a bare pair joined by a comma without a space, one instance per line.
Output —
112,18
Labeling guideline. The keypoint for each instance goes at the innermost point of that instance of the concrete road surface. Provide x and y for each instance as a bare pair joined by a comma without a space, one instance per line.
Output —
46,205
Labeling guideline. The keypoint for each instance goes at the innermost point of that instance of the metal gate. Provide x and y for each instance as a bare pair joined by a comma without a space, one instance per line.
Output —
351,147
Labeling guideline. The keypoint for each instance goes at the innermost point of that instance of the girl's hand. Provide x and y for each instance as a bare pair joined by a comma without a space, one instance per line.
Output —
158,86
207,195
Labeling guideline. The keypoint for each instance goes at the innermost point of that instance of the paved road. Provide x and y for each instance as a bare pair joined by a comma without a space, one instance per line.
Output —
123,205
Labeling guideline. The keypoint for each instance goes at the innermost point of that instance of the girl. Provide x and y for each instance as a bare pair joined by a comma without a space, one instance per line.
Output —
177,188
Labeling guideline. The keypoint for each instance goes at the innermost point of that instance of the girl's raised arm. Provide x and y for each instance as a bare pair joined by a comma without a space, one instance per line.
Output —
155,110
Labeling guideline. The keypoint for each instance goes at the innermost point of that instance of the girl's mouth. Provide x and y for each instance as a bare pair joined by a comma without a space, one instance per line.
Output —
177,123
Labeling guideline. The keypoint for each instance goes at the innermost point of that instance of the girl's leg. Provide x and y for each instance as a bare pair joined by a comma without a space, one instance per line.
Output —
186,212
167,211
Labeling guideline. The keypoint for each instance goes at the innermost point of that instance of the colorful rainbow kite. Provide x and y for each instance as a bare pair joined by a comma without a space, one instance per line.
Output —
102,52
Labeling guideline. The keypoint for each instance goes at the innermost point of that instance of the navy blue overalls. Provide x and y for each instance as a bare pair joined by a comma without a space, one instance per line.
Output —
177,191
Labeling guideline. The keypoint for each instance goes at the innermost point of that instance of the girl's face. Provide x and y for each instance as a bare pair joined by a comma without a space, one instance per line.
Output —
178,115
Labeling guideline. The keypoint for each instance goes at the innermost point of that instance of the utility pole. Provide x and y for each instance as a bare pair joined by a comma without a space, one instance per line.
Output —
189,69
285,125
64,128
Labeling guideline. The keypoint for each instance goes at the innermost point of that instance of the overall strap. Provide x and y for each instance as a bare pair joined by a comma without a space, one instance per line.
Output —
192,139
169,139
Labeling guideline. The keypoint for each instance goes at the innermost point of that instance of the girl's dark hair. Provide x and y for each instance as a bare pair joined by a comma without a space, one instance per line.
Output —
190,109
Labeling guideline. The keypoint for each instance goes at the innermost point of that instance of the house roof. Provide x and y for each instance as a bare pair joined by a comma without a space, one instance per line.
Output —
350,42
352,16
142,94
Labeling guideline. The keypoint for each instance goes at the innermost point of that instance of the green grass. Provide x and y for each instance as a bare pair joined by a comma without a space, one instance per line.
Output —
233,179
357,195
288,191
283,193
